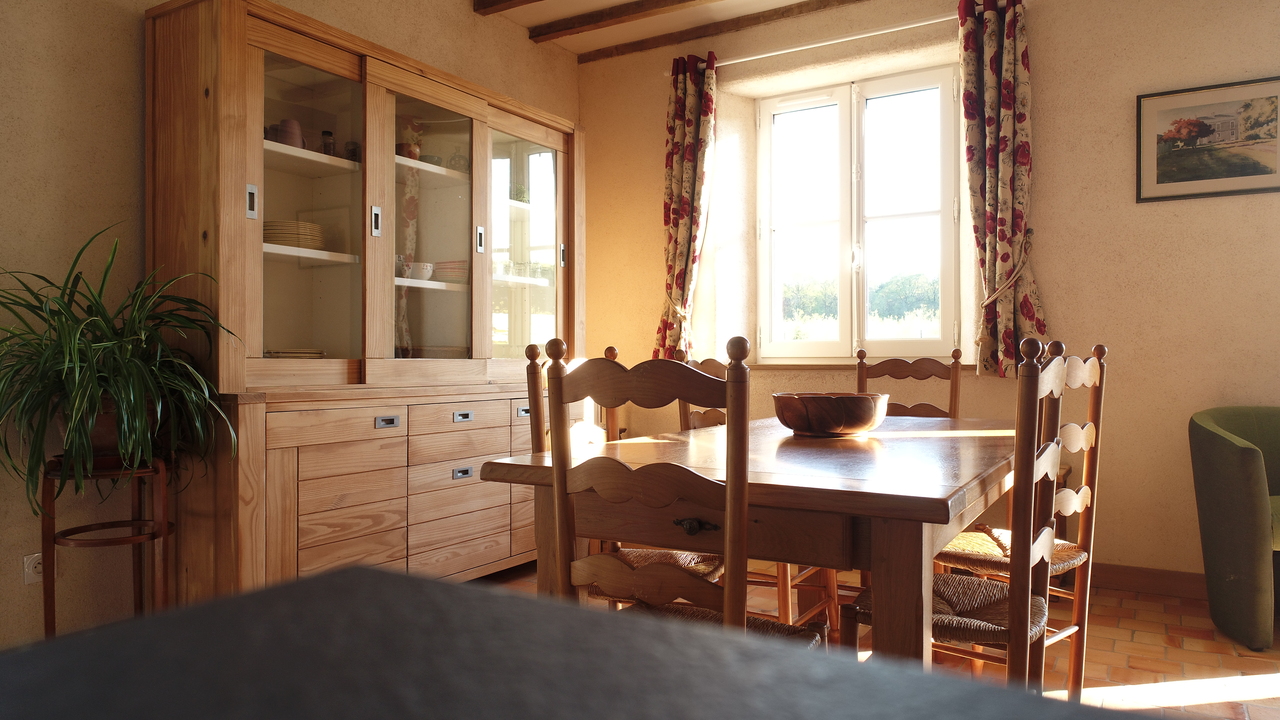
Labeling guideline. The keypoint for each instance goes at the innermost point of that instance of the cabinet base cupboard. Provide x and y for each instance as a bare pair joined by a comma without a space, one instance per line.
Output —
381,239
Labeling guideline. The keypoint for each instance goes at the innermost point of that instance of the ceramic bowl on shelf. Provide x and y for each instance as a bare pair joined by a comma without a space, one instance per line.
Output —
420,271
830,414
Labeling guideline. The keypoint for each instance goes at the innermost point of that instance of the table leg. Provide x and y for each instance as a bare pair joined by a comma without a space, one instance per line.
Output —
48,558
544,534
902,563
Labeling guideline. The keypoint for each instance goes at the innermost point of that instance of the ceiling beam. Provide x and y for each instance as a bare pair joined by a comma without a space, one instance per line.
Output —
715,28
489,7
607,17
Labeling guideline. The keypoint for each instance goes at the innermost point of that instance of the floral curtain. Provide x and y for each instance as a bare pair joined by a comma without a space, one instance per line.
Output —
997,126
691,132
408,130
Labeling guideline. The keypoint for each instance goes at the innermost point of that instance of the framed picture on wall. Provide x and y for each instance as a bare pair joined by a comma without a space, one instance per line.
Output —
1206,141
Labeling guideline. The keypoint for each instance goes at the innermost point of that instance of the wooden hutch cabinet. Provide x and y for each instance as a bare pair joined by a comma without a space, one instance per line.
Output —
382,240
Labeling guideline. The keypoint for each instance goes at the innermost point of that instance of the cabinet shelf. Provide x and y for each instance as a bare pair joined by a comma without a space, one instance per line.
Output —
432,285
519,280
304,163
433,177
306,258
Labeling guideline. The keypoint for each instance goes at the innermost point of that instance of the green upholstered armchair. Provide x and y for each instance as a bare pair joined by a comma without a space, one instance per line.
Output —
1232,449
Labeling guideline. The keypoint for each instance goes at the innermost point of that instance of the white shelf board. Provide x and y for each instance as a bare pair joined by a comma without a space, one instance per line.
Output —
306,257
516,204
432,285
433,177
305,163
518,280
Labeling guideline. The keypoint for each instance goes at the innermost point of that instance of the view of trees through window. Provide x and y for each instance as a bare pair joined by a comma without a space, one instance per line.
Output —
902,298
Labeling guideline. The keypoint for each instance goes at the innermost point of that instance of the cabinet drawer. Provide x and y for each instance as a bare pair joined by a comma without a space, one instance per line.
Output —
522,540
441,476
397,566
345,458
366,550
521,493
520,411
455,501
521,440
313,427
461,556
443,447
452,417
346,523
452,530
342,491
522,514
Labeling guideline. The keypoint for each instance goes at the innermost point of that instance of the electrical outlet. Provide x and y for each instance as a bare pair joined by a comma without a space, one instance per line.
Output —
33,568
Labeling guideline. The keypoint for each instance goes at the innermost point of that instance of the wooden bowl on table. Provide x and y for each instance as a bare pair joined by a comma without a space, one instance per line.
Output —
830,414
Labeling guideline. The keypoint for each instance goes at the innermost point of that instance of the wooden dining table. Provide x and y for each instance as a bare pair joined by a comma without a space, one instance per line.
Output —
886,501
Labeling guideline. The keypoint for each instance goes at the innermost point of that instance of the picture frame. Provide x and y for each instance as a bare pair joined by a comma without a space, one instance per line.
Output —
1209,141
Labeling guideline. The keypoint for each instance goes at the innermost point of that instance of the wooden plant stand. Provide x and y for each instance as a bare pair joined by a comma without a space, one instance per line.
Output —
142,530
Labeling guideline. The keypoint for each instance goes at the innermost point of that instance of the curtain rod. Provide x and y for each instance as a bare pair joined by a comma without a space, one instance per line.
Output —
843,38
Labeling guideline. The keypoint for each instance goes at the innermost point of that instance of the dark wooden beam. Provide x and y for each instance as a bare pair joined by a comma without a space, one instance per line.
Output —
716,28
616,15
489,7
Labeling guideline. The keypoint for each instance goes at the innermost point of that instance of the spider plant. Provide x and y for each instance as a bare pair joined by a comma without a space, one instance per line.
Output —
69,356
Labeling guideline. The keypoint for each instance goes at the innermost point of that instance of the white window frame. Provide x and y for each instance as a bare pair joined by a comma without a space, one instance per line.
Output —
852,291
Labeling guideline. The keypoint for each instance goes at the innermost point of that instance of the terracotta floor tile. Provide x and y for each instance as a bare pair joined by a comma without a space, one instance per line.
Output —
1104,620
1163,599
1129,676
1199,672
1114,611
1271,654
1101,644
1231,710
1252,666
1060,614
1143,649
1179,714
1191,602
1143,625
1185,631
1147,638
1160,617
1143,605
1196,610
1094,682
1268,702
1094,670
1107,600
1122,594
1054,681
1165,667
1113,659
1115,633
1196,658
1262,712
1207,646
1196,621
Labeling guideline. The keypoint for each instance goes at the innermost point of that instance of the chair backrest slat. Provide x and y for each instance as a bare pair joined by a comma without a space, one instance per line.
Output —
919,369
691,419
653,383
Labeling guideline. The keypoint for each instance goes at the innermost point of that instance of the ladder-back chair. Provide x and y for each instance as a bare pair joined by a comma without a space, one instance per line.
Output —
659,501
920,369
985,612
986,550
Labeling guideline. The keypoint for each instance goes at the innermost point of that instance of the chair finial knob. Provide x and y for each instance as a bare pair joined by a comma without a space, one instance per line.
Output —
1029,347
1100,351
611,353
556,349
531,352
738,348
1057,348
955,354
862,354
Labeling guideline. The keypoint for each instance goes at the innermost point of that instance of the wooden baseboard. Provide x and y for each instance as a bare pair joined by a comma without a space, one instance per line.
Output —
1150,580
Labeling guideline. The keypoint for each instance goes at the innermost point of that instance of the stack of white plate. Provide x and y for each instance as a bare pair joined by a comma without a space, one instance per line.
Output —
297,354
298,234
452,271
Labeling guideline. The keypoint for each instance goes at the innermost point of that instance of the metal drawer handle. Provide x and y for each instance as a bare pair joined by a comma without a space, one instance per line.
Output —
462,416
460,473
386,421
523,411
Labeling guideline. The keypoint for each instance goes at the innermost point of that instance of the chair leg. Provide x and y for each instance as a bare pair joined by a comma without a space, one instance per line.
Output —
1079,618
976,664
784,593
849,625
833,600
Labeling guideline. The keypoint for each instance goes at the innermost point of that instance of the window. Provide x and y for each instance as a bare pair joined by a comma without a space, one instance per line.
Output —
858,214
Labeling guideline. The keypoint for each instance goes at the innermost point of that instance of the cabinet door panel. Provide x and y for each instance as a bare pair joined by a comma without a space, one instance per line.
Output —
522,514
455,501
342,491
462,556
346,523
440,476
521,493
365,550
452,530
442,447
522,540
317,461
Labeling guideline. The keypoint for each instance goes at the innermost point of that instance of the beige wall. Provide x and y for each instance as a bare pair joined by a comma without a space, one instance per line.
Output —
71,134
1183,292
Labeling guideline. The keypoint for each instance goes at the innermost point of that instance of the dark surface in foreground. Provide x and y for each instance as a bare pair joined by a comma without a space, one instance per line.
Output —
367,644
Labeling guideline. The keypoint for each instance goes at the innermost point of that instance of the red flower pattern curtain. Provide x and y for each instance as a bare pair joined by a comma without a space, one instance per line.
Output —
997,126
691,132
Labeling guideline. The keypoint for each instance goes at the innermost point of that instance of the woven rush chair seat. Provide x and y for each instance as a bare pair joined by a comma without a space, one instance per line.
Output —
705,565
986,550
969,610
763,627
